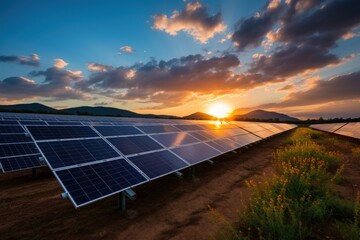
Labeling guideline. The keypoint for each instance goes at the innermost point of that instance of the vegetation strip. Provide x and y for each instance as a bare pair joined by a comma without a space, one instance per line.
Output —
291,204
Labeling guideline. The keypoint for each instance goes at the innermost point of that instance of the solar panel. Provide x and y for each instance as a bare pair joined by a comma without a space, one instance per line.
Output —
158,129
243,140
61,132
196,153
8,150
328,127
188,127
8,122
11,129
136,144
10,164
87,160
174,139
200,135
64,123
219,146
88,183
14,138
32,123
72,152
157,164
107,131
350,130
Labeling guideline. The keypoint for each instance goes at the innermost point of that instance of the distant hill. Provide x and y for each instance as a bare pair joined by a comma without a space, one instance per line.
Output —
96,111
265,115
200,116
30,107
101,111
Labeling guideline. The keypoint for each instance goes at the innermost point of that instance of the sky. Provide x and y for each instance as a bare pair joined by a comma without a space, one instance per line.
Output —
178,57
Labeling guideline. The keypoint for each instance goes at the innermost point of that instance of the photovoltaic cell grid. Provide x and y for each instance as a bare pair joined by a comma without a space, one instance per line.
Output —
135,144
107,131
10,164
83,165
351,129
157,164
73,152
61,132
92,182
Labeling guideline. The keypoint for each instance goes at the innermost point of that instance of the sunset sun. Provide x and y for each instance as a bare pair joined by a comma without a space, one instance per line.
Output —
219,110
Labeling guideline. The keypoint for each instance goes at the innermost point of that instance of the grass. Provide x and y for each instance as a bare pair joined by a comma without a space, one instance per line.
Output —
356,153
287,205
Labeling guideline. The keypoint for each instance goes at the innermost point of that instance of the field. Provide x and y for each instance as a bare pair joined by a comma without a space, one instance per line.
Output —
195,207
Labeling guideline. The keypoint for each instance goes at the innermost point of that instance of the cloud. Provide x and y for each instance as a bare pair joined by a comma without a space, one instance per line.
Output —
96,67
127,49
342,87
322,25
195,20
292,60
31,60
287,88
303,33
172,82
57,85
249,32
60,63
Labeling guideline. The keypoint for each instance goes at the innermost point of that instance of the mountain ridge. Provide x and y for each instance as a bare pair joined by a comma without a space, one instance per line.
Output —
117,112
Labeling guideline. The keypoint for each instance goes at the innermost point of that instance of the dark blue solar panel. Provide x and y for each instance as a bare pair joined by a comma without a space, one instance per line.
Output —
8,150
136,144
8,122
117,130
61,132
14,138
97,123
10,164
32,123
158,163
196,153
11,129
64,123
92,182
158,129
188,127
67,153
174,139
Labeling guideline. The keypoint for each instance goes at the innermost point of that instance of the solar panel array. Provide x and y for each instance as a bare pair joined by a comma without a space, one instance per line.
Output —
351,129
95,157
17,149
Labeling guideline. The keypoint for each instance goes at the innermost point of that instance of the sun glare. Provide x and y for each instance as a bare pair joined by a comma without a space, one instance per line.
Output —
219,110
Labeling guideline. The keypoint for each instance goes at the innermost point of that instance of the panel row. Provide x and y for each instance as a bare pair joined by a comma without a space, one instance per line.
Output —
351,129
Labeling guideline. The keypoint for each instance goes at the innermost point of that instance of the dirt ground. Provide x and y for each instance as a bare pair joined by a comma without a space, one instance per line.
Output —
167,208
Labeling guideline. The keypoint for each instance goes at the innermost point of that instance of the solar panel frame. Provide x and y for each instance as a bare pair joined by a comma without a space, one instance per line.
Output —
71,196
92,151
140,144
17,149
18,163
46,133
136,160
172,140
11,129
150,129
120,130
15,138
185,153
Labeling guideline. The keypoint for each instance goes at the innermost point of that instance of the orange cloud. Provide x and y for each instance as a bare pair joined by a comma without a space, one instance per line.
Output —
194,20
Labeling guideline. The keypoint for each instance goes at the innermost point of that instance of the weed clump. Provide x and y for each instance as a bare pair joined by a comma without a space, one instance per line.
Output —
287,205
